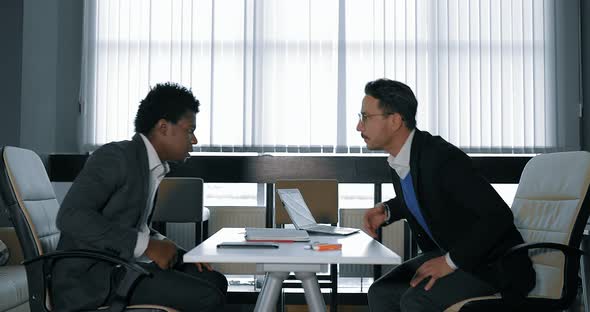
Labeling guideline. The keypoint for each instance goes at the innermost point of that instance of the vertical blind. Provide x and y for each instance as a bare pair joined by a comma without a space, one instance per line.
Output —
490,75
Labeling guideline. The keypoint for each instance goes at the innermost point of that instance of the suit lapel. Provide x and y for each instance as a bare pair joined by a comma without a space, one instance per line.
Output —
144,168
415,152
396,183
415,170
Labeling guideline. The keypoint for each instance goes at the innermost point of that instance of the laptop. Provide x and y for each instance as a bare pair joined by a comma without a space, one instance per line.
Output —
302,217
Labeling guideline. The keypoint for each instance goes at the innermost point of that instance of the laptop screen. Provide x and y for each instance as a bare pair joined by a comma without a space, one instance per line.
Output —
296,207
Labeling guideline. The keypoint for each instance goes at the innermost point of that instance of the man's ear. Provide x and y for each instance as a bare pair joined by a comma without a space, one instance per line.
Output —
161,126
396,120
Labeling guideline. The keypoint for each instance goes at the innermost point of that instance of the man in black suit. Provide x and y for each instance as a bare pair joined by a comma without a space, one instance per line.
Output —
461,224
109,206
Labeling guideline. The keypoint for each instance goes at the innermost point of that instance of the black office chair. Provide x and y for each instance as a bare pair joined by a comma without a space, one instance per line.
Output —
180,200
551,208
321,196
29,197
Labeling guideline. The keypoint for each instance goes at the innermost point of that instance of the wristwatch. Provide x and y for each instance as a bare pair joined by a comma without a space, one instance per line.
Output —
387,213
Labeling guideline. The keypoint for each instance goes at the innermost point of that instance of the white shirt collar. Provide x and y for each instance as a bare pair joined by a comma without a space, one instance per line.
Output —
401,162
153,158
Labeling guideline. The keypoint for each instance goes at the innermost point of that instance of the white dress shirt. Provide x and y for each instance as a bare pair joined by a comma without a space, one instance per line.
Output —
158,170
401,162
401,165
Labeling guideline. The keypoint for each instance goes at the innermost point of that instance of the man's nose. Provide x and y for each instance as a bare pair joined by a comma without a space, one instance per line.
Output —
359,126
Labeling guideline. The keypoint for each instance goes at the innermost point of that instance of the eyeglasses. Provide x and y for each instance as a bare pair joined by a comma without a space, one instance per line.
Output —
364,117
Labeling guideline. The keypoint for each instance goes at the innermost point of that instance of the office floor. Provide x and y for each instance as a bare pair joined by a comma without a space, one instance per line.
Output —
577,306
341,308
297,308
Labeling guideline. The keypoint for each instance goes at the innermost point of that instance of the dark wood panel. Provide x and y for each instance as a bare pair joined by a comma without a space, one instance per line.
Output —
503,169
268,169
65,167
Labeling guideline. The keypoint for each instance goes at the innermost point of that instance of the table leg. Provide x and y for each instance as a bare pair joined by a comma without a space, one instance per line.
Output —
270,291
313,295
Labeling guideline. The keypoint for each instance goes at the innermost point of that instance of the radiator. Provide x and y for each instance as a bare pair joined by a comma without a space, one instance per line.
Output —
393,238
183,234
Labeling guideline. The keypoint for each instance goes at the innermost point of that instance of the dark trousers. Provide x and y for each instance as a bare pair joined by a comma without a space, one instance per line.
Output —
393,292
183,288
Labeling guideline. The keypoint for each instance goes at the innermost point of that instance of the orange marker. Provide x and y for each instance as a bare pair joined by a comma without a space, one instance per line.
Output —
326,247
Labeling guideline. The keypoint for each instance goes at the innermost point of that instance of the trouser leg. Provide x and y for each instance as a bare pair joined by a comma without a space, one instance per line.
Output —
385,294
393,292
179,290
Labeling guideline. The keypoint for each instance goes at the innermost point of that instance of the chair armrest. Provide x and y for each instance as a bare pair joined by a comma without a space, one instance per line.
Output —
90,254
572,261
8,236
567,250
42,267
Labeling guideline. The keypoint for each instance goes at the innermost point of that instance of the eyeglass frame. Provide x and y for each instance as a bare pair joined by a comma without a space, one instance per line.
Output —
364,117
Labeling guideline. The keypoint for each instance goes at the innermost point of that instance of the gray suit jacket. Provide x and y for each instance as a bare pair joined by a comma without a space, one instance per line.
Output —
101,211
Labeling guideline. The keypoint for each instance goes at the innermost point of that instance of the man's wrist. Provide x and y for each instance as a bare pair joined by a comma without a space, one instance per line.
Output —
450,262
387,213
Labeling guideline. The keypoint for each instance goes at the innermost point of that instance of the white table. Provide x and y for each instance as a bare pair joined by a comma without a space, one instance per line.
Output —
358,248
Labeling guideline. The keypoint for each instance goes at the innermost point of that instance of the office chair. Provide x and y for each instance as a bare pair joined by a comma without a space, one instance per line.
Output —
181,200
551,208
14,294
321,196
29,197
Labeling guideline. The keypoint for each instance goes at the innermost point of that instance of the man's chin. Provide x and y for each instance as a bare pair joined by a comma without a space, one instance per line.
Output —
181,160
371,147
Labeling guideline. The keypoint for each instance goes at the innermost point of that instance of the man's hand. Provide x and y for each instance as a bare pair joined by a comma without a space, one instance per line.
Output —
200,266
373,219
435,268
162,252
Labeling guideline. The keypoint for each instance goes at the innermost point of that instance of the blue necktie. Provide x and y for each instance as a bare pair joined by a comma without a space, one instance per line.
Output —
412,202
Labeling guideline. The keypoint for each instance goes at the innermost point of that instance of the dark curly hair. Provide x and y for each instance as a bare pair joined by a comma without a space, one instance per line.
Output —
167,101
394,97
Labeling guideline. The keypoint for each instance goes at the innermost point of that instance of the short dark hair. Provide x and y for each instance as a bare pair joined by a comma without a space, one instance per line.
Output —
169,101
394,97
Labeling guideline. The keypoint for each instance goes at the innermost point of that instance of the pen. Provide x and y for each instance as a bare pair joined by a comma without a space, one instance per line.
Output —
326,247
271,240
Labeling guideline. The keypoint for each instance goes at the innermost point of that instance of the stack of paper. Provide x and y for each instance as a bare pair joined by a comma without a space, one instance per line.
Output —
276,235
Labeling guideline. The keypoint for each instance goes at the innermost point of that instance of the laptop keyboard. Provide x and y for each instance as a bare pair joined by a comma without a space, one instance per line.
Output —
327,229
324,228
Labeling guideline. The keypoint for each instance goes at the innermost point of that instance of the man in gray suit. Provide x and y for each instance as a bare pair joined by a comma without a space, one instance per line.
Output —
109,206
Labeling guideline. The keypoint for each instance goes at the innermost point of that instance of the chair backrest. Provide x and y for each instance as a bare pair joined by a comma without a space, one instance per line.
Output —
30,199
179,200
550,206
321,196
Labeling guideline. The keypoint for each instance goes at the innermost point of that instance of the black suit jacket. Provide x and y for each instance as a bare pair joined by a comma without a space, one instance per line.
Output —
465,215
101,211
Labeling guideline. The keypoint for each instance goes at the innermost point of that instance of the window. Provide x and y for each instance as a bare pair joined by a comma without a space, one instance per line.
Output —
232,194
355,195
490,76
